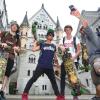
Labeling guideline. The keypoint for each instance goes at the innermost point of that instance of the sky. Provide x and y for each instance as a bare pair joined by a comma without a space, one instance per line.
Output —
17,8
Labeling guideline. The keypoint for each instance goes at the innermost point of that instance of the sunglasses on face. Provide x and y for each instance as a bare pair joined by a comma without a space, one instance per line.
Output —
50,35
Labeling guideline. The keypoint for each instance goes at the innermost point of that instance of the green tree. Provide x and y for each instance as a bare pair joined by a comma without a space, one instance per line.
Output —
34,29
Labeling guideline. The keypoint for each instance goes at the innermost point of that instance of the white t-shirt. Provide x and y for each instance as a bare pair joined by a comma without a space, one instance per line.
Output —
70,44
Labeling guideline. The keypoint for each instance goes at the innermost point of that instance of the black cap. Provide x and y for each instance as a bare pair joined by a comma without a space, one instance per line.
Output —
50,32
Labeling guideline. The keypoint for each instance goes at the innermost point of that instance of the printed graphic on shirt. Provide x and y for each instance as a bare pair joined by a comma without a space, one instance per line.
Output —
49,48
70,44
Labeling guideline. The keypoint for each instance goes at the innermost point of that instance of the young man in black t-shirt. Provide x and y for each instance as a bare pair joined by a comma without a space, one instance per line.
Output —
45,65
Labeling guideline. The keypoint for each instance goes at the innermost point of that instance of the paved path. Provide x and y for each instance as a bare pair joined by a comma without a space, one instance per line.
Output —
69,97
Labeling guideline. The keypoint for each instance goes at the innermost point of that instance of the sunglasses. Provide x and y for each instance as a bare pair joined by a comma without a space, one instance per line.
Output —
50,35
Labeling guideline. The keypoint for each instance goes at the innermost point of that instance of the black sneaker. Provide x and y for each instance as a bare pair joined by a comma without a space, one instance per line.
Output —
13,70
95,98
2,96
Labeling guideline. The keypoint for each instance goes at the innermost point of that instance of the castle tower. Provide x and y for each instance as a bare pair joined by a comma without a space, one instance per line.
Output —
58,30
1,25
24,27
3,15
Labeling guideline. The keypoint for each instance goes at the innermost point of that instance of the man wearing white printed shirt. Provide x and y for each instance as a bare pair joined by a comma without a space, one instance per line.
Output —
68,42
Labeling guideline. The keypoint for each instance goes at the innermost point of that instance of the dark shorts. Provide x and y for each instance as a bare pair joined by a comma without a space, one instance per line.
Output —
94,72
10,63
95,77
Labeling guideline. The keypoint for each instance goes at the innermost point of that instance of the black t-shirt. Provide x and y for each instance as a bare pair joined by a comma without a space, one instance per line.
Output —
46,55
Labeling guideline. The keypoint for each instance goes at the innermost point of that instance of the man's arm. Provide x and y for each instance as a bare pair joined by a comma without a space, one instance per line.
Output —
0,33
36,47
78,51
87,30
61,45
77,14
56,60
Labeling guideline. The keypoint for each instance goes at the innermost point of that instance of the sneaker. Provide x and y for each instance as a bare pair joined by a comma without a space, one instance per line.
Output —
95,98
2,95
58,98
24,96
62,97
13,70
75,98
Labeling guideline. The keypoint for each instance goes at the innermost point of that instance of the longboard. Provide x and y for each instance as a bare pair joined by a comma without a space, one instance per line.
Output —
72,75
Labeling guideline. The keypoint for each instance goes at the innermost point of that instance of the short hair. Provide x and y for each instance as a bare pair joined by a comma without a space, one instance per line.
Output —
68,26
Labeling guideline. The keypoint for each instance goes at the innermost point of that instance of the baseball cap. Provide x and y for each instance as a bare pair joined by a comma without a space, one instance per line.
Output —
50,32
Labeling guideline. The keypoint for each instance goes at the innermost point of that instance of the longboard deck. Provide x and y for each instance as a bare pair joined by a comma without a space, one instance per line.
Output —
72,75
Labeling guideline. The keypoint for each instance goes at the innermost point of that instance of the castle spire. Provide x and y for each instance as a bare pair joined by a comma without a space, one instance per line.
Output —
25,22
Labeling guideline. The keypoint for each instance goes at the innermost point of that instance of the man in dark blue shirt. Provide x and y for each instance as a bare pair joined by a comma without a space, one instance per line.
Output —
45,65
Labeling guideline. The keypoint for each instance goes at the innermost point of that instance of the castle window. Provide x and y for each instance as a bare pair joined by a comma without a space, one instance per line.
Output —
51,26
32,59
41,35
21,33
44,87
26,33
40,26
28,73
87,81
24,46
46,27
33,72
43,75
31,45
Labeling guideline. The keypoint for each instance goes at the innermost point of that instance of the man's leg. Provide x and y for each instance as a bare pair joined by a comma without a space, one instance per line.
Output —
98,90
51,76
96,81
77,65
62,84
38,72
10,63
